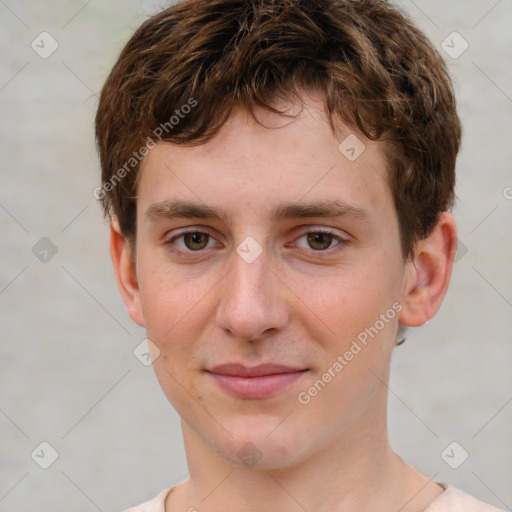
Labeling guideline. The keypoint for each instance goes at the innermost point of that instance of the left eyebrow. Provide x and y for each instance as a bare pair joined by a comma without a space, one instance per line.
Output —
171,209
333,208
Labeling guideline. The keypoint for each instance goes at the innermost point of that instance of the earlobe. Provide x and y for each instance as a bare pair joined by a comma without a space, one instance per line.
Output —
126,273
429,273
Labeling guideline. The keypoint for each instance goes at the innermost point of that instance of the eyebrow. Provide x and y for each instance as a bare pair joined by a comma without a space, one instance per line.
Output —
171,209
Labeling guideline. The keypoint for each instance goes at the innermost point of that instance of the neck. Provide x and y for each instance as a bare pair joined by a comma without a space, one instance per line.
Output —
357,471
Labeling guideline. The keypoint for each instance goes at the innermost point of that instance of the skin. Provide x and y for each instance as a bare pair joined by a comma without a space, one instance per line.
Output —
301,303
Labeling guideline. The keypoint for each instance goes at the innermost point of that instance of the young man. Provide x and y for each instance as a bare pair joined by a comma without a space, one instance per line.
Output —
278,176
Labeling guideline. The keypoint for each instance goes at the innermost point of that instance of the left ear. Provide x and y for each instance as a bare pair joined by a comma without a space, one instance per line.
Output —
428,273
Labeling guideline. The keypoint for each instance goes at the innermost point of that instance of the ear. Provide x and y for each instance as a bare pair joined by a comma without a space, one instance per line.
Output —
428,273
126,272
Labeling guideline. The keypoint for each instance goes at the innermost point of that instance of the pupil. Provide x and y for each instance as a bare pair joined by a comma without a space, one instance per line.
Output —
320,238
195,238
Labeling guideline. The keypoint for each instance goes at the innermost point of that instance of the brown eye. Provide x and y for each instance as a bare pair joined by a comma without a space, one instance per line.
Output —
319,240
190,241
195,240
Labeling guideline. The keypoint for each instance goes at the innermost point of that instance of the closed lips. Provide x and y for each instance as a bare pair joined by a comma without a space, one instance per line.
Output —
239,370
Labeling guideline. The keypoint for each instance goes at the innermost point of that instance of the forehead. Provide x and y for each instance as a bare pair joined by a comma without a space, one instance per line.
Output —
267,162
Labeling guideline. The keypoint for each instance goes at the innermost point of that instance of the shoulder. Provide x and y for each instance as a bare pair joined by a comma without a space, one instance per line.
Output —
157,504
456,500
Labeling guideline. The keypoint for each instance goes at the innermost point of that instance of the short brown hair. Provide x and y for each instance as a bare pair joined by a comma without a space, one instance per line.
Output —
379,72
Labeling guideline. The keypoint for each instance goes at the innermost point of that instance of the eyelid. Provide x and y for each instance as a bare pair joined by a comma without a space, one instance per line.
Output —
191,229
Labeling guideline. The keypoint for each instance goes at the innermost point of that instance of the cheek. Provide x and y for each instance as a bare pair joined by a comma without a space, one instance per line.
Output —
169,312
176,309
166,295
356,342
356,348
343,304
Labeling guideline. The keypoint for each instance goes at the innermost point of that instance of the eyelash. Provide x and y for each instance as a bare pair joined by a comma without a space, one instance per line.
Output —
341,241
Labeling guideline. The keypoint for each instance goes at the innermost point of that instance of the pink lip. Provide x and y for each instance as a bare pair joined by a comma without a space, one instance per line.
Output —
258,382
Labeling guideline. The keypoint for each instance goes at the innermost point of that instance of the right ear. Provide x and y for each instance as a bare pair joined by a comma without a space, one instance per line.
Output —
126,272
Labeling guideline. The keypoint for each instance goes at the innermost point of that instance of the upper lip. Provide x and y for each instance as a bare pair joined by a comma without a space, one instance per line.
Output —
240,370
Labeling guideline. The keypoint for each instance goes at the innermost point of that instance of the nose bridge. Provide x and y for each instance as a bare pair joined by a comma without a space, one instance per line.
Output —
251,301
248,275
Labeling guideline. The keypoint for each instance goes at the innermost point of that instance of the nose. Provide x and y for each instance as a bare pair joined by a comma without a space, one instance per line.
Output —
253,299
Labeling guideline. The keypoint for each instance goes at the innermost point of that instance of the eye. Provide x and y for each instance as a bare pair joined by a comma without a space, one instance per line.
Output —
194,241
321,240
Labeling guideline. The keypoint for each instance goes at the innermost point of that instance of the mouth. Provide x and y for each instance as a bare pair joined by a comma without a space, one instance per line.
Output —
259,382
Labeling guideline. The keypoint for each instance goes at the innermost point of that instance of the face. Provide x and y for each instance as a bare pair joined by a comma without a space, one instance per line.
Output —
290,255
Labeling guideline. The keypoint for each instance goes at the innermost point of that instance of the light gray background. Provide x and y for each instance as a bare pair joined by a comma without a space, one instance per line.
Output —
67,370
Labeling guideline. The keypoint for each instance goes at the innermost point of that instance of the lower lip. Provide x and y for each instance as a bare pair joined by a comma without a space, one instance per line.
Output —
264,386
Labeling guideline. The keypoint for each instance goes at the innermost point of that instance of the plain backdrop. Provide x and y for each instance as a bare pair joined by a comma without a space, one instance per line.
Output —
68,373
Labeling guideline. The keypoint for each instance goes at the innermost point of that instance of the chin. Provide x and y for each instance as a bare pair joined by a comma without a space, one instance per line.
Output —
260,445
